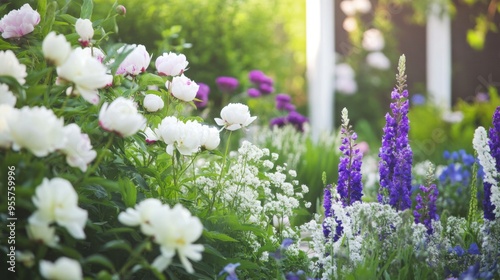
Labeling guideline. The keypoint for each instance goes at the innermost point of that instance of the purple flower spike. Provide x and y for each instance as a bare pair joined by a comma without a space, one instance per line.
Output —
327,204
425,211
202,94
494,143
253,92
227,84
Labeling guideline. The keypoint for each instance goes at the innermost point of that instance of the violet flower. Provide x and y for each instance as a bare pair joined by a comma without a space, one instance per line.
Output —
425,211
227,84
494,143
282,100
202,95
297,120
327,204
230,269
253,92
349,185
396,154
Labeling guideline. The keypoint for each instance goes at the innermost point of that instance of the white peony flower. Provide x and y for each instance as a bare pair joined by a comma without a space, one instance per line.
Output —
55,48
151,136
57,201
175,230
171,64
235,116
211,138
185,137
85,30
95,53
78,149
373,40
62,269
136,61
12,67
18,23
42,233
183,88
141,215
166,129
6,96
153,103
378,60
86,73
36,129
121,116
6,112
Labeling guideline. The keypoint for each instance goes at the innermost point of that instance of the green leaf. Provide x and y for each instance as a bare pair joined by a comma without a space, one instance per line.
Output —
212,251
101,260
50,16
87,7
117,245
218,236
148,79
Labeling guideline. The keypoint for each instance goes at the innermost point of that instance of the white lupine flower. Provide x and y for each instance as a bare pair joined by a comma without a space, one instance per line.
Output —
136,61
56,201
378,60
6,112
141,215
171,64
78,149
6,96
121,116
37,129
153,103
183,88
211,138
235,116
11,66
85,30
87,74
373,40
42,232
175,230
55,48
62,269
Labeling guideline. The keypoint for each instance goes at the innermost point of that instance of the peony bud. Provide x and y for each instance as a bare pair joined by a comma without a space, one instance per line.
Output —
153,103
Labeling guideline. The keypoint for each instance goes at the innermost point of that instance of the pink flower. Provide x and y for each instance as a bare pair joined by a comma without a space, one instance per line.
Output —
18,23
136,62
171,64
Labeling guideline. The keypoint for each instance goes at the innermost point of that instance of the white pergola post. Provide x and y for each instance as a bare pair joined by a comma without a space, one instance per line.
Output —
320,64
439,56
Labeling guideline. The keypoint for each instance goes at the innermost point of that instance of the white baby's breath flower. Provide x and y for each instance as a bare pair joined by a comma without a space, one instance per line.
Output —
56,201
62,269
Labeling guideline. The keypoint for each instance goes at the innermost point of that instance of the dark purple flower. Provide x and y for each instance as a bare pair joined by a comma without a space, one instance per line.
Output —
425,210
396,155
202,94
349,185
494,143
256,76
289,107
297,120
230,269
253,92
282,100
266,88
279,122
327,205
226,84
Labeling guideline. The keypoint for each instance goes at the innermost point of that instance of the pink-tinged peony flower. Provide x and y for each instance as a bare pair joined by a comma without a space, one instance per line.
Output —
86,73
121,117
153,103
183,88
12,67
85,30
136,62
78,149
37,129
235,116
55,48
95,53
62,269
171,64
121,10
18,23
6,112
151,136
175,230
57,201
6,96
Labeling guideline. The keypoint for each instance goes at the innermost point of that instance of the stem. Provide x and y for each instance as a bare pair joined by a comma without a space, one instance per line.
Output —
100,157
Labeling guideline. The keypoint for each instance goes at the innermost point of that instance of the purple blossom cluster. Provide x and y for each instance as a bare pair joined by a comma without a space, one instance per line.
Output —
494,143
263,85
284,103
202,95
349,185
396,155
227,84
425,210
327,205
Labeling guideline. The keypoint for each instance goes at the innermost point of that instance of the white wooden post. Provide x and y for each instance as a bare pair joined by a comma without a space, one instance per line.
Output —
439,56
320,64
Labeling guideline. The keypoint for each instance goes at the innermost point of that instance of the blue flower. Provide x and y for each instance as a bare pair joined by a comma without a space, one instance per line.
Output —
473,249
278,255
230,269
418,99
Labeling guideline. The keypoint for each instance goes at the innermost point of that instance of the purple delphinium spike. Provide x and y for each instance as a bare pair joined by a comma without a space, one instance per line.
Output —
494,143
327,204
349,185
425,211
395,153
